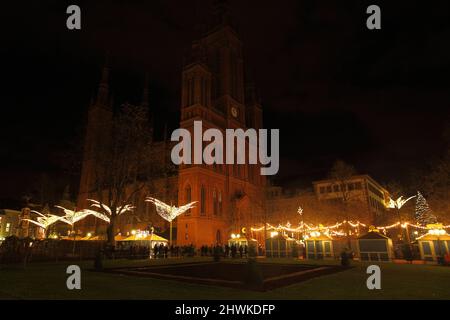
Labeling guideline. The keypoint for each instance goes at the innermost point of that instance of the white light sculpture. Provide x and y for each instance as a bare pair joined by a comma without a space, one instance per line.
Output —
398,204
71,217
169,212
44,220
120,210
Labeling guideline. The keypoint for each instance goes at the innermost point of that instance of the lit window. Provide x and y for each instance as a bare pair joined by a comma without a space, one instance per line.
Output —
8,226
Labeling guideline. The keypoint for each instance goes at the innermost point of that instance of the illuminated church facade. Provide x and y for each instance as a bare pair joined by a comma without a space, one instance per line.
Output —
230,198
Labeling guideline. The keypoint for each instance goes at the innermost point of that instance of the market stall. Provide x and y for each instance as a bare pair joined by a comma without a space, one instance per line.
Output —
374,246
319,247
434,245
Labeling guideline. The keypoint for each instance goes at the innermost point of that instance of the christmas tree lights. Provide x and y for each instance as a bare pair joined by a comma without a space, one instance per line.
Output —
423,213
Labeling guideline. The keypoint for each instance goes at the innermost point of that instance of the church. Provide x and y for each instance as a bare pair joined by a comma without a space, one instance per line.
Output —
230,197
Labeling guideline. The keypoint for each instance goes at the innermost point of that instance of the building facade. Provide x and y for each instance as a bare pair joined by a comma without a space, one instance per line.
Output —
230,198
360,188
214,91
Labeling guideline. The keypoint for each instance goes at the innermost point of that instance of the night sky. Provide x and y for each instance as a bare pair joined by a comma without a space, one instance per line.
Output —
376,99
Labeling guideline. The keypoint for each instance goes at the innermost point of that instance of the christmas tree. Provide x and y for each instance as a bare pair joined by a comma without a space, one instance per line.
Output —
423,212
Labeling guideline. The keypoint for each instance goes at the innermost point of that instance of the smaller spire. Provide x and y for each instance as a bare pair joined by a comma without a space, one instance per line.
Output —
145,91
221,12
103,88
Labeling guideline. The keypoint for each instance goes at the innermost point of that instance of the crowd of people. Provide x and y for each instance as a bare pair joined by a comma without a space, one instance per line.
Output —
162,251
226,251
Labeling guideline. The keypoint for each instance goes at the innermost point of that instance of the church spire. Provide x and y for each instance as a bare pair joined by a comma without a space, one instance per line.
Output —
145,103
221,12
103,88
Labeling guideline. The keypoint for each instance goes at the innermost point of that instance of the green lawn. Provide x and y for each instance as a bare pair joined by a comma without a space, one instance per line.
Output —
48,281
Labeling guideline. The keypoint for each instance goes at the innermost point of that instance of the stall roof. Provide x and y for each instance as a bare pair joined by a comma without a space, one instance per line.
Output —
319,238
374,236
152,237
431,237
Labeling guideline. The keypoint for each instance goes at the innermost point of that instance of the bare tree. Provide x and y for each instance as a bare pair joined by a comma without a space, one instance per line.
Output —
341,173
436,185
124,162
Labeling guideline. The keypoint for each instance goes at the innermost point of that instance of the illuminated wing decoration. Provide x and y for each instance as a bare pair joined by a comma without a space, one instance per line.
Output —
125,208
99,215
168,212
71,217
98,204
104,207
399,202
44,220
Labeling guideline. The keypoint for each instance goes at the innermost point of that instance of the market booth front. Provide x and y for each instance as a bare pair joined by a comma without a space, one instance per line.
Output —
279,245
147,240
374,246
242,241
319,247
434,245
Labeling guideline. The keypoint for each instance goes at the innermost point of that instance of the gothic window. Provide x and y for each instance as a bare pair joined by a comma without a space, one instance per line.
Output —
191,92
203,201
218,237
233,76
187,193
220,202
215,203
202,91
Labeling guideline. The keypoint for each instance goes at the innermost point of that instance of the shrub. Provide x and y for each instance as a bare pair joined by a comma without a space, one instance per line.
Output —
217,253
407,254
254,278
14,250
98,262
345,258
295,251
252,250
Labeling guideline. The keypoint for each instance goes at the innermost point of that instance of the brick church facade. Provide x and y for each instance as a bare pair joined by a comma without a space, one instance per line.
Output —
231,198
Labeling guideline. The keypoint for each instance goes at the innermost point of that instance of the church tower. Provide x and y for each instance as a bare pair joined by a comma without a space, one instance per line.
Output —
97,132
213,91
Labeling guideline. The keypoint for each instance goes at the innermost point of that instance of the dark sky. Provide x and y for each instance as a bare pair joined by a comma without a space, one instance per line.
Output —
376,99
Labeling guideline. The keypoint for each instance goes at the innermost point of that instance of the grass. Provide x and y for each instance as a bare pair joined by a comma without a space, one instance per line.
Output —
48,281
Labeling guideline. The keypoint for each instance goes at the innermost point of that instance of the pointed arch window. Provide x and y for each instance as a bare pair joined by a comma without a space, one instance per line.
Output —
220,202
203,201
191,91
215,203
188,197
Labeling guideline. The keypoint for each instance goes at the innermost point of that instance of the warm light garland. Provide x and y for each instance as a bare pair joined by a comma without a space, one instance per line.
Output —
304,227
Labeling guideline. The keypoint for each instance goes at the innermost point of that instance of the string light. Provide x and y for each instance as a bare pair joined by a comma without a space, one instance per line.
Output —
305,227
